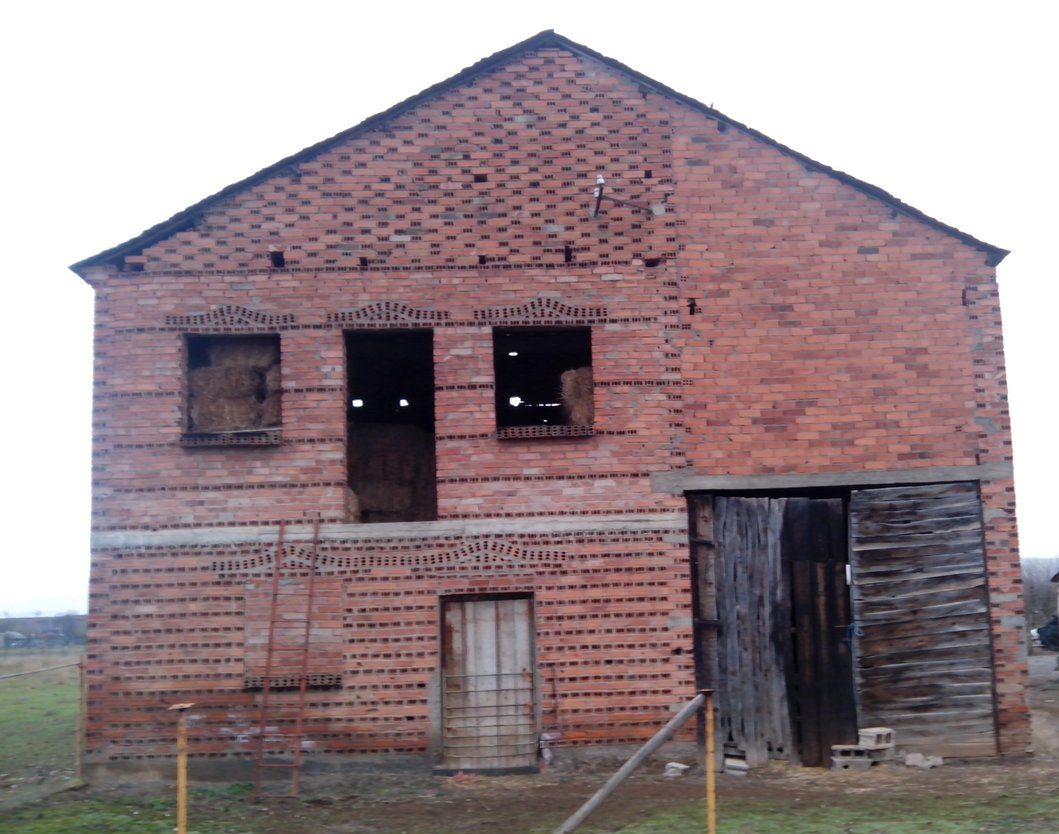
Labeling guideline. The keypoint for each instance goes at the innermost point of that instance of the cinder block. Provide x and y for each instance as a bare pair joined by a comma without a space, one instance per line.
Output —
846,763
849,751
876,737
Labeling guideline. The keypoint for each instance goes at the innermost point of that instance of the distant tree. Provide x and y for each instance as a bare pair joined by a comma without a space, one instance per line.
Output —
65,623
1039,590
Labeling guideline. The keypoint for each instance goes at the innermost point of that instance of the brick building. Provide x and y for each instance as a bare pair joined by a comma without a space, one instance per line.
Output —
724,415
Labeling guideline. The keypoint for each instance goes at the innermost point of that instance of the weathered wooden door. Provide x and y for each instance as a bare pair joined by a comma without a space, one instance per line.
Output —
489,707
819,661
771,613
924,657
742,620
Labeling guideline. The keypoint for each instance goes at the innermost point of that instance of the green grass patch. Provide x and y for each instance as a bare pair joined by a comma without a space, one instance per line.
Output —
899,814
38,714
92,816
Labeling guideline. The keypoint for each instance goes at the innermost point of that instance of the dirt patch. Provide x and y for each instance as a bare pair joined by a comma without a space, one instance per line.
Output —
956,798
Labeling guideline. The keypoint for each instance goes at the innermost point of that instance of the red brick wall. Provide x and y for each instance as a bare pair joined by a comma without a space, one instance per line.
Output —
611,652
834,334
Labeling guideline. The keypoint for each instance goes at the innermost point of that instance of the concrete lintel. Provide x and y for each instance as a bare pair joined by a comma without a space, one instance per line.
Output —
206,535
683,480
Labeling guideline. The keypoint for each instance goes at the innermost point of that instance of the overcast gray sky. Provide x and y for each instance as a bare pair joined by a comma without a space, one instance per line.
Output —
117,115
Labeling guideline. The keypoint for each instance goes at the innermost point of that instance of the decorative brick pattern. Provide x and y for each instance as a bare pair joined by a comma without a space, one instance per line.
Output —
229,316
387,313
546,310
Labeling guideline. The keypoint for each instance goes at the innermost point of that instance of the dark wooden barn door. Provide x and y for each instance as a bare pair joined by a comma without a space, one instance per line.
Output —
819,665
924,659
751,604
488,695
771,611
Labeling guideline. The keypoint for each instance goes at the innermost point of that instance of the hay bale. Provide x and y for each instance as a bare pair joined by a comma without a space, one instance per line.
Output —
258,353
223,383
352,506
576,396
220,414
226,398
272,410
392,468
272,379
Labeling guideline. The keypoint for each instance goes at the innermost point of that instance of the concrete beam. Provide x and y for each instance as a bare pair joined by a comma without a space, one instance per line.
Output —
684,480
303,532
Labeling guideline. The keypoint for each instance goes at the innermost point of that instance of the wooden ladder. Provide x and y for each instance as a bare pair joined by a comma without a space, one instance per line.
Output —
270,713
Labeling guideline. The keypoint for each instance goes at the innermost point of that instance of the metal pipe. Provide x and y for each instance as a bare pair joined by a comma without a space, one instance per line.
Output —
634,761
303,678
182,767
37,671
711,765
182,775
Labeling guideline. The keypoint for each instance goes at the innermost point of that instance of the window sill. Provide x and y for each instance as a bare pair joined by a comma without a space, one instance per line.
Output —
533,432
317,680
244,437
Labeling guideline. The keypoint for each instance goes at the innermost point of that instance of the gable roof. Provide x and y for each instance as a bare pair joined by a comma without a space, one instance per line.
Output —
547,39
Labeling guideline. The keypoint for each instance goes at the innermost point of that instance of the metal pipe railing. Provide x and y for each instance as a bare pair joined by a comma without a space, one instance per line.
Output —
703,699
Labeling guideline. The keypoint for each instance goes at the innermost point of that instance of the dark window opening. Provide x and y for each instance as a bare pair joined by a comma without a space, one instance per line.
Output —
278,259
481,177
390,426
233,383
543,376
568,254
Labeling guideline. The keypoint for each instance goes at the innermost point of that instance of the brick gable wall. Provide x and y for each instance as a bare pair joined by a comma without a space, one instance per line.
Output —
833,335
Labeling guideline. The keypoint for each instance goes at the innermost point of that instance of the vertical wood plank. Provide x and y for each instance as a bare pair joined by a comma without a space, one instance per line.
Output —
779,633
749,593
486,662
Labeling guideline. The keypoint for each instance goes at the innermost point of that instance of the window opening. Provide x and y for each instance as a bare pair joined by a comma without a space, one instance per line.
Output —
390,447
233,383
543,376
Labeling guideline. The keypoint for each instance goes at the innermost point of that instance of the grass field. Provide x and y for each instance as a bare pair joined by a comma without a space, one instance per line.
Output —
38,722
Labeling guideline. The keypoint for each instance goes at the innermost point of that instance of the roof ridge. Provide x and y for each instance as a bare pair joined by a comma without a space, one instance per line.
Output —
548,37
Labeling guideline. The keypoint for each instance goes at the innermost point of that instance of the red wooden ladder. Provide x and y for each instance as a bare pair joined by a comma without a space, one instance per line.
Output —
277,714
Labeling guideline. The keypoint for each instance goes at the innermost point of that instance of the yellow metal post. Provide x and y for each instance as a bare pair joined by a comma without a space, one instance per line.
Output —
182,767
711,765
